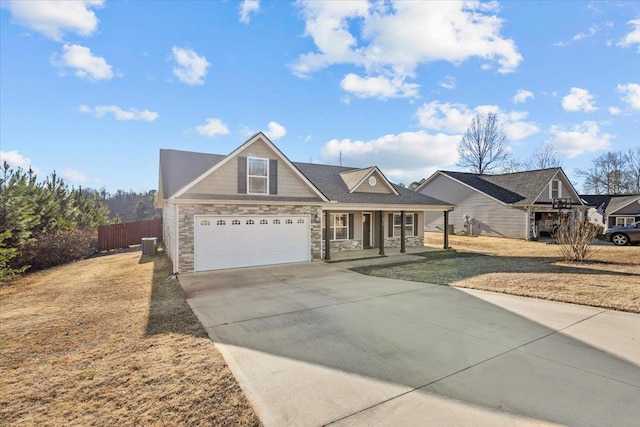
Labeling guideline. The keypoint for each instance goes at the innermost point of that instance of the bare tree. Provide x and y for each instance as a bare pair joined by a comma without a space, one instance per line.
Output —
483,147
513,165
608,175
543,158
632,158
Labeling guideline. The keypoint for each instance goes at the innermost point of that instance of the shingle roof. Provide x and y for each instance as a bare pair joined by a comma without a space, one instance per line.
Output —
608,203
179,168
328,180
599,201
618,202
520,188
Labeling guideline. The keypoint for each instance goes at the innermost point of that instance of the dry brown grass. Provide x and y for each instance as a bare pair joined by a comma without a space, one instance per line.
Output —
610,279
110,341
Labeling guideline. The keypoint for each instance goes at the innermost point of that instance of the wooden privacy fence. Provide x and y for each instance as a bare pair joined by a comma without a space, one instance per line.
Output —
118,236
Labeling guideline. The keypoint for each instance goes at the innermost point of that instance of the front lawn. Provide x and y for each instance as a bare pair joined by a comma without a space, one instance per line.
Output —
110,341
610,279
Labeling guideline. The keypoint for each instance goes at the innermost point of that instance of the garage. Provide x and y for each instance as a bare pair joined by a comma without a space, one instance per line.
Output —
246,241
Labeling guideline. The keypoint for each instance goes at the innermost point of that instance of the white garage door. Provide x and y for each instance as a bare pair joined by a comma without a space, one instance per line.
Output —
245,241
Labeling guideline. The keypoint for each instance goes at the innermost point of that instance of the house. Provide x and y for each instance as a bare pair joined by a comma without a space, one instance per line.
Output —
256,207
607,210
517,205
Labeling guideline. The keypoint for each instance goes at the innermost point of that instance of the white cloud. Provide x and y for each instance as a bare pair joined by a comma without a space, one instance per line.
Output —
77,177
405,157
631,94
633,37
583,138
275,131
247,8
378,87
54,18
212,127
578,100
119,113
522,96
455,118
395,37
614,111
190,68
16,160
593,30
448,82
83,63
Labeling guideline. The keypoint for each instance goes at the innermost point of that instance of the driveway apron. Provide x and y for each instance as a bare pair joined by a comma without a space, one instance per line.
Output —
316,344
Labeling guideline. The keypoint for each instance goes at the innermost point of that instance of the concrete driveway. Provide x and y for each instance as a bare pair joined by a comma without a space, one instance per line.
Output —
316,344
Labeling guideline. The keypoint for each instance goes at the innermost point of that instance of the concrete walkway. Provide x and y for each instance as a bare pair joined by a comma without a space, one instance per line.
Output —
315,344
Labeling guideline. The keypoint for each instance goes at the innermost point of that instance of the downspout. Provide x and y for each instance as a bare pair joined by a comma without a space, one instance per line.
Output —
177,245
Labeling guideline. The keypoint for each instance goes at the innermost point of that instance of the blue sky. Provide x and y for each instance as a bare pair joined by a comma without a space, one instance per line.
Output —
93,89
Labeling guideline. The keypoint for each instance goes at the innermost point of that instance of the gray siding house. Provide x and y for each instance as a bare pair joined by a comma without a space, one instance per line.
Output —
517,205
607,211
256,207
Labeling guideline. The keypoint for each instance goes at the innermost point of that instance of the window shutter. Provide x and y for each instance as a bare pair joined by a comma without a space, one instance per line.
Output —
273,176
415,224
242,175
351,221
391,224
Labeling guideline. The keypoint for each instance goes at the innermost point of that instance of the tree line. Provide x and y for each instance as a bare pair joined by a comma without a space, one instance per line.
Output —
46,222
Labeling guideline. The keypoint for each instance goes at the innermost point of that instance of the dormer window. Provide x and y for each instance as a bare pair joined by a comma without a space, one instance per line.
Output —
257,175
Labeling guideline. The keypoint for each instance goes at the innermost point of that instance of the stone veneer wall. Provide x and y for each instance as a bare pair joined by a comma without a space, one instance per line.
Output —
394,242
345,245
187,213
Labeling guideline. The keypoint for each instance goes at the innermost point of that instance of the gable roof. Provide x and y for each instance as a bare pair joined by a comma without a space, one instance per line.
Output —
180,170
355,178
618,202
598,201
257,137
518,188
328,179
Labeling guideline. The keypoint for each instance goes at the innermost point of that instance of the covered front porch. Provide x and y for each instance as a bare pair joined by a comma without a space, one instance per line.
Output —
354,234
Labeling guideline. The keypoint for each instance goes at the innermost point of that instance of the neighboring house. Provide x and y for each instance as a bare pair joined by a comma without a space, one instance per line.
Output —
607,211
256,207
518,205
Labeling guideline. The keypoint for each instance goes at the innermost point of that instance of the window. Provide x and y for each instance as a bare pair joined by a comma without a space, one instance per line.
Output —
205,222
264,221
289,221
555,189
276,221
221,222
408,224
301,221
339,228
624,220
257,176
250,222
235,222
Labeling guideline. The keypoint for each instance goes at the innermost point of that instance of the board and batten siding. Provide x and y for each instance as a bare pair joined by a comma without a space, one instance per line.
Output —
169,230
566,192
224,181
490,217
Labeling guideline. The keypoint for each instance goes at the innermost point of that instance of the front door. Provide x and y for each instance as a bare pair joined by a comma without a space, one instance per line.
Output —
366,230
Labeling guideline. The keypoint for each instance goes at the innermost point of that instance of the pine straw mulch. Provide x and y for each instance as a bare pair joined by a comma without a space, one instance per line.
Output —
110,341
609,279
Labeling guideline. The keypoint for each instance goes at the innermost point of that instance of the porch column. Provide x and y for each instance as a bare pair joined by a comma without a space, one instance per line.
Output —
381,231
446,229
327,236
402,248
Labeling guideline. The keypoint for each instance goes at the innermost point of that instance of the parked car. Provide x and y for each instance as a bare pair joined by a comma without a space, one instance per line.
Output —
621,235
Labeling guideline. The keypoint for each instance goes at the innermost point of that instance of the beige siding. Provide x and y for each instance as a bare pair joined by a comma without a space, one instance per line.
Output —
490,217
169,230
380,187
566,192
224,181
